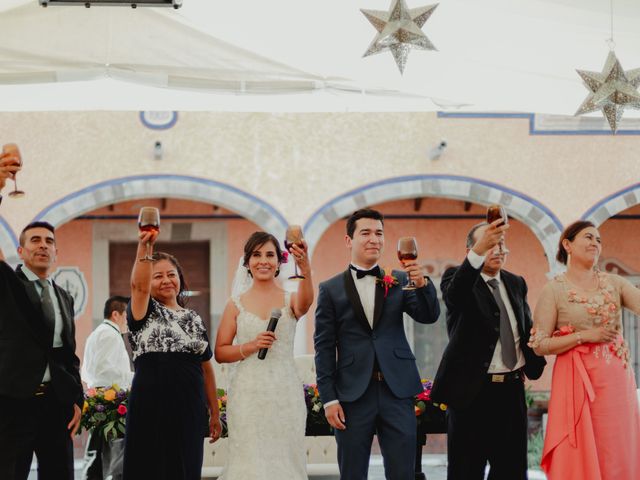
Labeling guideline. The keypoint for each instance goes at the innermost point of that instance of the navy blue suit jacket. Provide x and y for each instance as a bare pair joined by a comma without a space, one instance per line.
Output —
342,328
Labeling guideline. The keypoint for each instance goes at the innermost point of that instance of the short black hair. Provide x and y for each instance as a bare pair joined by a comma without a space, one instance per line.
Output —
470,240
362,213
23,233
116,303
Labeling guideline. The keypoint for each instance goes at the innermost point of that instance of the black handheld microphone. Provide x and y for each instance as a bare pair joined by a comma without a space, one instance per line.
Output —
273,322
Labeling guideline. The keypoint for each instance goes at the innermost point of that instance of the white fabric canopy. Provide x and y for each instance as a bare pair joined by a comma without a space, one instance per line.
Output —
494,55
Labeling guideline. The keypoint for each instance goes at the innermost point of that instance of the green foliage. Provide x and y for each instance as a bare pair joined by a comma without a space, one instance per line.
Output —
534,450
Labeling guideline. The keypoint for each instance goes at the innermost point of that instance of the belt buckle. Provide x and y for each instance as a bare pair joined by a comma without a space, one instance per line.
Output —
498,378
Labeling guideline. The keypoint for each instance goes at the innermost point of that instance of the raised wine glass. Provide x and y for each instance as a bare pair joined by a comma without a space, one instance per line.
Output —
294,235
11,149
497,212
408,251
148,221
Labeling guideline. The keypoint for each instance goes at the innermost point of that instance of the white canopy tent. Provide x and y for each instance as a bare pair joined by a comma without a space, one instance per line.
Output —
287,55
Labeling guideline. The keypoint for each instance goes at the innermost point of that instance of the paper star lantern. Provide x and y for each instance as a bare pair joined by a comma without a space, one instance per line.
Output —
611,91
399,30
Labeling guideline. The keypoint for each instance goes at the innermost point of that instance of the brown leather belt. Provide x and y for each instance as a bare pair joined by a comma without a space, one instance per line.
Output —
506,377
42,389
377,375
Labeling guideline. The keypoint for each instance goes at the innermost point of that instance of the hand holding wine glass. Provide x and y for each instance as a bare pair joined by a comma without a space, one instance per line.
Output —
12,163
408,254
497,212
293,237
149,227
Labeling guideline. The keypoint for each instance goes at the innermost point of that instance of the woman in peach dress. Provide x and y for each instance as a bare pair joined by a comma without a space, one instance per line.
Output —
593,432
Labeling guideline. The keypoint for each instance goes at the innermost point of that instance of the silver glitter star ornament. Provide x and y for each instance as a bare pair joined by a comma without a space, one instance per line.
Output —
611,91
399,30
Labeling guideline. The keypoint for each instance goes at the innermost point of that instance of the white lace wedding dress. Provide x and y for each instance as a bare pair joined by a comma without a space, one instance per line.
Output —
266,411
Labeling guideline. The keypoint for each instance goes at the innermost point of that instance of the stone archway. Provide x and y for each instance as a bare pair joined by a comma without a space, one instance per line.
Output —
158,186
613,204
8,242
542,222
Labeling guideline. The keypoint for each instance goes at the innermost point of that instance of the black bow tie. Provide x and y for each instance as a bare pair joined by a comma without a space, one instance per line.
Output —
375,271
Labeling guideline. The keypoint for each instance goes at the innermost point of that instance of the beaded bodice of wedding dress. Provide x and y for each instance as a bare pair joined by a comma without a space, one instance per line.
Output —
266,412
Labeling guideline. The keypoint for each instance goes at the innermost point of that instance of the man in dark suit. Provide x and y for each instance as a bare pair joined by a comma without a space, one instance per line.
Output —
481,375
368,387
40,390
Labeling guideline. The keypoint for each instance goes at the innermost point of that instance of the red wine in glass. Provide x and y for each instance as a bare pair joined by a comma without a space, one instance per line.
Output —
148,221
408,251
294,236
11,150
497,212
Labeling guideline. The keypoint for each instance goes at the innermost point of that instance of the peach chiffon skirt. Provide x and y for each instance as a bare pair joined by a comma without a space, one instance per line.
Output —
593,431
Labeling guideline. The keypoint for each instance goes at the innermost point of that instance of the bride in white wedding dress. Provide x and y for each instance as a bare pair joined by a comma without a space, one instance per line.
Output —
266,412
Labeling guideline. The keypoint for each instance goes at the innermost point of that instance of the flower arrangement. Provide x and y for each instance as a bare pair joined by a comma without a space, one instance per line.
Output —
316,421
104,411
387,281
430,415
222,407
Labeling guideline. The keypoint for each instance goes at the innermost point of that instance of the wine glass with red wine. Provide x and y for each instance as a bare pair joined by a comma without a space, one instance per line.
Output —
11,150
148,221
497,212
294,235
408,252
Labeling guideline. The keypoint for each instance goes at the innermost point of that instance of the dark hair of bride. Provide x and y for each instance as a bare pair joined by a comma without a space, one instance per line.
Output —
255,242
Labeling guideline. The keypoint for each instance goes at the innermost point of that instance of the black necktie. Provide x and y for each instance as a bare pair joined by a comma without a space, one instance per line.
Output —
47,304
507,341
375,271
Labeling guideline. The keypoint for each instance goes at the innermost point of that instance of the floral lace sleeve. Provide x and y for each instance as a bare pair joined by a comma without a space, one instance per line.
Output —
545,319
629,295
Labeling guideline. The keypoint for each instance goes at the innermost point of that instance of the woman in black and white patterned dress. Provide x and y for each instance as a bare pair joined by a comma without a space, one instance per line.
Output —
173,389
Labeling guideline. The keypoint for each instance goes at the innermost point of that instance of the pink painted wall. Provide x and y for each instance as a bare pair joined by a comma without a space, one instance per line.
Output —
441,243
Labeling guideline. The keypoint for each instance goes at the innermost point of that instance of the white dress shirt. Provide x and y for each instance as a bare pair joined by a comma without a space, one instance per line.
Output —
366,287
497,365
57,332
106,361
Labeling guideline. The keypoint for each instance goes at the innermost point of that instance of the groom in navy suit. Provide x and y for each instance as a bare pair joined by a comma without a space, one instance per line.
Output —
367,374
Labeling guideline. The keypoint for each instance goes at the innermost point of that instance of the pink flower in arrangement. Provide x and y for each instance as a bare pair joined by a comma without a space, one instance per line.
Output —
612,307
122,409
91,392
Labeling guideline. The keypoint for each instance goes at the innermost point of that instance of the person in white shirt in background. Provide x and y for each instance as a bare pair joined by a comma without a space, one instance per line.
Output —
106,362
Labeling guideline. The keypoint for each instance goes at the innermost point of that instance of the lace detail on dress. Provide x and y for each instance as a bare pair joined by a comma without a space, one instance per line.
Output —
600,308
266,412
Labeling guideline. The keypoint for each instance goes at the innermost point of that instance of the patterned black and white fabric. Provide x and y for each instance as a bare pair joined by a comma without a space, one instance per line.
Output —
167,331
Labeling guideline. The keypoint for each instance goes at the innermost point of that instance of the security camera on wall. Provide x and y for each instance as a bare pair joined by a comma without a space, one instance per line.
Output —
120,3
436,152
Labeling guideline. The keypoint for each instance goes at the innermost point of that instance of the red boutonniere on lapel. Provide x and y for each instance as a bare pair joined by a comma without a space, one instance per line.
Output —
387,281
